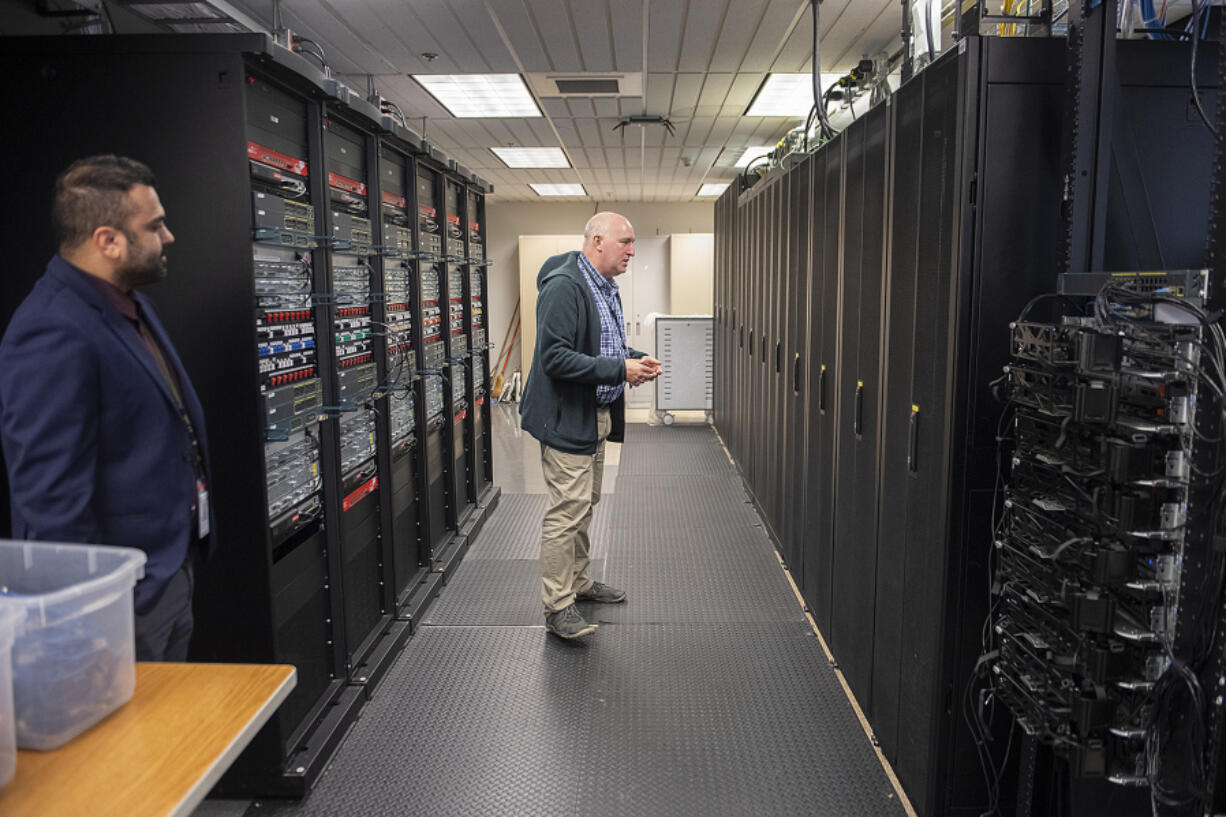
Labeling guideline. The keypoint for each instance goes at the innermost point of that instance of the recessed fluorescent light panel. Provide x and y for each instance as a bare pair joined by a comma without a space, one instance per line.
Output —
485,96
713,189
531,157
559,189
752,153
788,95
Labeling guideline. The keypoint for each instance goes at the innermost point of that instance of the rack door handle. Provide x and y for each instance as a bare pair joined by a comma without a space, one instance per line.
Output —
913,441
796,374
859,414
778,357
821,390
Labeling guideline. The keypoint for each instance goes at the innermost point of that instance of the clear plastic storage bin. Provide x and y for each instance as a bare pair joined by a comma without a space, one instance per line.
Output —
74,661
9,616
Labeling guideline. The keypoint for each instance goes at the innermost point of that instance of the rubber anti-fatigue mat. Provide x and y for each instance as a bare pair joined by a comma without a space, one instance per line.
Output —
638,721
673,458
495,593
682,508
690,434
513,531
691,581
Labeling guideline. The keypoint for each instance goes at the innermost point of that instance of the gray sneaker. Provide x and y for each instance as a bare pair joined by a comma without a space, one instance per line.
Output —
567,623
602,593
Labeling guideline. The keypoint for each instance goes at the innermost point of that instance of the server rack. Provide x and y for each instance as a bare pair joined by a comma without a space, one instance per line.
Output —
459,350
400,317
478,266
277,296
439,464
347,158
905,263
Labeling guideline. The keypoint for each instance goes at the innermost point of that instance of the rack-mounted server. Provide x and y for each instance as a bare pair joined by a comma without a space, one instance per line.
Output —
278,302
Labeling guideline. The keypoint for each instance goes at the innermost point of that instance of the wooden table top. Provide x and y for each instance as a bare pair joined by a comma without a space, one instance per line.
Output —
158,754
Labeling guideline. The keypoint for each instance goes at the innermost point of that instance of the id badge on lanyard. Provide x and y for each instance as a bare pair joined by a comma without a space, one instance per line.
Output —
202,508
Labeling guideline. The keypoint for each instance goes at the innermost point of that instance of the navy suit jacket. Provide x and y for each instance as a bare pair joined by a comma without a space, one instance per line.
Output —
96,449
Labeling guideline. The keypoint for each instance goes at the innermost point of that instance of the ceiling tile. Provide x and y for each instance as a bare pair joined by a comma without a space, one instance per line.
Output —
685,95
659,93
702,26
715,89
627,17
700,127
553,24
589,132
595,37
630,105
742,22
664,29
555,107
606,106
525,40
775,21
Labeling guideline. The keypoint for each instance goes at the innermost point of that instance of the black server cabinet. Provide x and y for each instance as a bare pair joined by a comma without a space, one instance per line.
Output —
349,168
793,361
398,322
239,305
459,354
478,265
977,160
780,284
854,562
435,426
822,336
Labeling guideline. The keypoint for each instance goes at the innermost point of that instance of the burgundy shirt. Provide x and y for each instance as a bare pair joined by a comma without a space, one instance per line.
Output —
130,309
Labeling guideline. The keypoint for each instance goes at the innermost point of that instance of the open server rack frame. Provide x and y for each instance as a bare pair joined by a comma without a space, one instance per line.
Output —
178,103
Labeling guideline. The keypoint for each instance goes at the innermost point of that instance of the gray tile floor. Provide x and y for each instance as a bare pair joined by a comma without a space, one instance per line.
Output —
706,693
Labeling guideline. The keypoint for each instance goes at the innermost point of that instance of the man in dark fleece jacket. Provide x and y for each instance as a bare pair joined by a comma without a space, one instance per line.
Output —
573,402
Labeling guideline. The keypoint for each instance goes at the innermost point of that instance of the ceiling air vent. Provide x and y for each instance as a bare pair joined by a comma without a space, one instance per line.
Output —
587,87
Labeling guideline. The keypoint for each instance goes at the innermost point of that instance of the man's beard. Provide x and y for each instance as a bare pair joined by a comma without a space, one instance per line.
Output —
147,269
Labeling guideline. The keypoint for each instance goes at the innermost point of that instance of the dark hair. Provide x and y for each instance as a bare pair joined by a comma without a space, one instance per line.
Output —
92,193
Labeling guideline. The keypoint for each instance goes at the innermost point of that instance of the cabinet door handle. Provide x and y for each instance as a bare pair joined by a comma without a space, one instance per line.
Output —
796,374
859,415
821,390
913,441
778,357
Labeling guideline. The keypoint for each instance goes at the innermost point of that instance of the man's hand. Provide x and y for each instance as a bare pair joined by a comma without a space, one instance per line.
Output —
642,370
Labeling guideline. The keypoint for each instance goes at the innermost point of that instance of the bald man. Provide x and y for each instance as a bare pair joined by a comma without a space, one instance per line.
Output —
574,401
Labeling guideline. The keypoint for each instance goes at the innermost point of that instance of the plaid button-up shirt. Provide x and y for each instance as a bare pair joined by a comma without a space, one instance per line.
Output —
612,324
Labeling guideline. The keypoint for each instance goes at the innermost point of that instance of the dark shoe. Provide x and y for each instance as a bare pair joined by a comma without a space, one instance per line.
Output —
568,623
602,594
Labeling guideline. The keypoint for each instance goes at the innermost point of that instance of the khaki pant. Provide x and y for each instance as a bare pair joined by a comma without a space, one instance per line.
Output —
574,489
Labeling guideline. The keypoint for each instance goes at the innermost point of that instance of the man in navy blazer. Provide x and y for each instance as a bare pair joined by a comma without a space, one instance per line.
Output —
103,434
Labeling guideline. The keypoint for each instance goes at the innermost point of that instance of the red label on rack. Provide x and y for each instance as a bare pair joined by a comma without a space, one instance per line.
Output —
474,226
275,158
345,183
392,200
366,489
453,220
426,210
463,415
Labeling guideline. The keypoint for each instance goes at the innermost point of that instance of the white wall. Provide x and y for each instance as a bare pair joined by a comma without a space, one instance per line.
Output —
508,221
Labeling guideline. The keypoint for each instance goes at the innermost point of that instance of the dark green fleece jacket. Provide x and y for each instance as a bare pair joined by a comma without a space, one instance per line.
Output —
559,402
